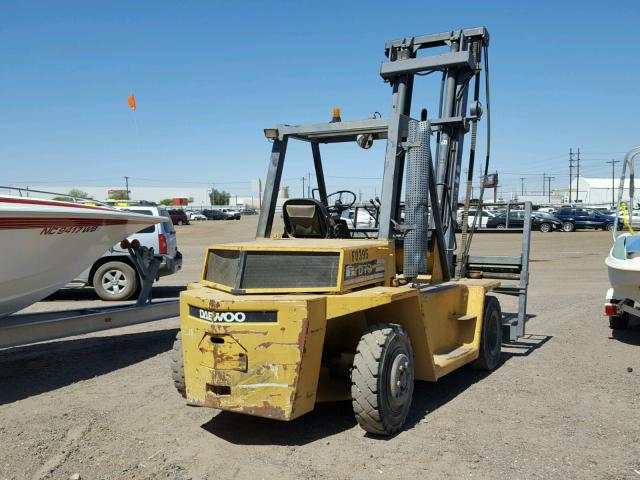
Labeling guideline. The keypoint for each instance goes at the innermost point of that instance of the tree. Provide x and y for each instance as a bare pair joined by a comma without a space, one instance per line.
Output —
166,201
73,193
217,197
119,195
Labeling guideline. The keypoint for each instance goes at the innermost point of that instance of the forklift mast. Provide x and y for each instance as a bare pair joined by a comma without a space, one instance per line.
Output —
428,187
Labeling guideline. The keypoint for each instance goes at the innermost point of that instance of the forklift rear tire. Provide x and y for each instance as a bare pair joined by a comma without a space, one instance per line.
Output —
491,336
177,366
382,379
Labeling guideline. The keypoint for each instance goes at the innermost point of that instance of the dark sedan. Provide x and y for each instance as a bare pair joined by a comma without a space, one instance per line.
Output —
213,214
545,222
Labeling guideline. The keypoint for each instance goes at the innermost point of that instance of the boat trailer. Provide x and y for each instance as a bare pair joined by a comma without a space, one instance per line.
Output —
21,329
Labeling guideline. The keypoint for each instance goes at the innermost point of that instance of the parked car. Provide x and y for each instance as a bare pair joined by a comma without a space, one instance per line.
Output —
547,209
179,217
543,221
249,211
231,214
577,217
114,277
632,217
481,222
212,214
194,217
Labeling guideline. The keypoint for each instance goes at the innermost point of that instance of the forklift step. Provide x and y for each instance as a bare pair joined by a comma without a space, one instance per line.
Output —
440,359
463,317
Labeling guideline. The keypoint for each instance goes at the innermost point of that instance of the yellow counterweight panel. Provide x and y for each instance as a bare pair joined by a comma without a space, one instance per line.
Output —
267,369
443,322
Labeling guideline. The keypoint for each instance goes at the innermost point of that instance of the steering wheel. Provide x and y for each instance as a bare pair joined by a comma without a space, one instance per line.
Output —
339,204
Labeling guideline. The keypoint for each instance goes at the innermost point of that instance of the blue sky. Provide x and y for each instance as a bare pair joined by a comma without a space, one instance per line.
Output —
209,76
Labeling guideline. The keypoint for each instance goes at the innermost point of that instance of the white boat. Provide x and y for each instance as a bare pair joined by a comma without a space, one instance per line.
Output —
623,261
623,264
44,244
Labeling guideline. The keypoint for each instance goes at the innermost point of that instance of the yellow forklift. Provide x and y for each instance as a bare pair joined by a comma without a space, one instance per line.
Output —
316,312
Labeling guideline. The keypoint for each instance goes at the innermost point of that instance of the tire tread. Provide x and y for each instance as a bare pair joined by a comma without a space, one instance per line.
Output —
177,366
366,370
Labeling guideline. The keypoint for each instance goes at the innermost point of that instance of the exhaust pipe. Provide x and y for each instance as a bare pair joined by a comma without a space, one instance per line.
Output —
417,199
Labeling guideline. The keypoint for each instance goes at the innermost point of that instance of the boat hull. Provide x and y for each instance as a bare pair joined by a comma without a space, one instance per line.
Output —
624,277
44,245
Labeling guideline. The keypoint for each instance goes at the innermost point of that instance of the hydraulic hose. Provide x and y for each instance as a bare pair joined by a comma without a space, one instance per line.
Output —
487,94
460,265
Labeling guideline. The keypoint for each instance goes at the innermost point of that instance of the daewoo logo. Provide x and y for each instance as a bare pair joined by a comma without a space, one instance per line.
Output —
233,317
228,317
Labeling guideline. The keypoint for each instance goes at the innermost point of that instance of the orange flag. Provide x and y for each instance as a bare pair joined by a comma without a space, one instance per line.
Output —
132,102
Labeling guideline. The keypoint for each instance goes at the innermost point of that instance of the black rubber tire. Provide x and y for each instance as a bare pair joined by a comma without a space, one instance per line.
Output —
120,270
501,226
568,227
609,227
383,351
491,336
545,227
177,366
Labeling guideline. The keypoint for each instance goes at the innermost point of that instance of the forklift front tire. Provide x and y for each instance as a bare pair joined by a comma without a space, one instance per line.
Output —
382,379
177,366
490,337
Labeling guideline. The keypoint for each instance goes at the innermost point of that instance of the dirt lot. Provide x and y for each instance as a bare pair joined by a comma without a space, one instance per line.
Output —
563,405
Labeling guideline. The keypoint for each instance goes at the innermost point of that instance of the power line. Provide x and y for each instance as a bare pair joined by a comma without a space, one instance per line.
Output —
570,174
613,180
546,179
578,176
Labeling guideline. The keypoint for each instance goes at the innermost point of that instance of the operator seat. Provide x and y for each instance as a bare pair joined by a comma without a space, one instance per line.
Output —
305,218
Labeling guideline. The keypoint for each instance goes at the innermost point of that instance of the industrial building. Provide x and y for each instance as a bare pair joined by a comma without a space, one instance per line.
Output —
599,191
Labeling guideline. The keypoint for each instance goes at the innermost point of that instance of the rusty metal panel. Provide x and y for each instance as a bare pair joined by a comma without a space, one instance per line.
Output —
267,369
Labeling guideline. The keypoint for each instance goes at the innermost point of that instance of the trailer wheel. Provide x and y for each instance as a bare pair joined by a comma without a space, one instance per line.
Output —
491,336
177,366
382,379
115,281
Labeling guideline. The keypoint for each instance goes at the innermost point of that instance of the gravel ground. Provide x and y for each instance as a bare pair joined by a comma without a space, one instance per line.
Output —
563,404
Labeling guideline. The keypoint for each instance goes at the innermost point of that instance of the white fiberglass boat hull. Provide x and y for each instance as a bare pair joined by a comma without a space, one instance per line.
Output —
624,270
45,244
624,277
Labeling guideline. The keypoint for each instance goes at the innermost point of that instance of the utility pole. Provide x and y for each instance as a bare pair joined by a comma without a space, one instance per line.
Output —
544,180
549,189
578,176
126,182
309,185
613,180
522,184
570,173
302,186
